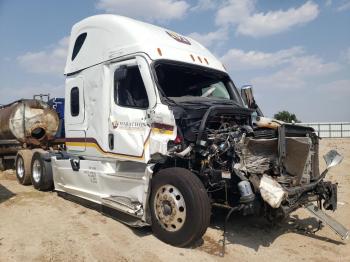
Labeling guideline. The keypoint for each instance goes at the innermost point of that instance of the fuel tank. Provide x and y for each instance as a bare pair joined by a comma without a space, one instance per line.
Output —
31,122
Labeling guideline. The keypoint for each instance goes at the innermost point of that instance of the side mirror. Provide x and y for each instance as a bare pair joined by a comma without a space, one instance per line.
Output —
247,96
120,73
332,158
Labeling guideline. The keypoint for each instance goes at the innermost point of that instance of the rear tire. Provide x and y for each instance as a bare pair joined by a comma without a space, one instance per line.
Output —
180,207
23,167
41,173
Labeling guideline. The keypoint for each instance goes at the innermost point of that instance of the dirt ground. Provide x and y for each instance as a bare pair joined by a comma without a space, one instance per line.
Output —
38,226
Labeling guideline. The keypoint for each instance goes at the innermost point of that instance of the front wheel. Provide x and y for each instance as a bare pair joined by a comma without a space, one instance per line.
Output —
180,207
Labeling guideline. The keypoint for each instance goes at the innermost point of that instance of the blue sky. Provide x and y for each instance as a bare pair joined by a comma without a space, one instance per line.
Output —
295,53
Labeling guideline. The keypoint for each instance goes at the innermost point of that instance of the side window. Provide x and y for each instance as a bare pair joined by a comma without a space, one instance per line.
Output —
131,91
78,44
74,101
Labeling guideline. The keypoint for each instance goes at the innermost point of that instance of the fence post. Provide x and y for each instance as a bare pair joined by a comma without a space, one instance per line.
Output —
318,129
341,130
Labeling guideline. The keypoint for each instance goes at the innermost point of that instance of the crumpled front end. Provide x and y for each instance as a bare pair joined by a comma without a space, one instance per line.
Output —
283,166
269,170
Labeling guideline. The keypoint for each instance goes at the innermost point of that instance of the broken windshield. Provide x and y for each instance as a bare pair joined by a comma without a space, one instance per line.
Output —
187,83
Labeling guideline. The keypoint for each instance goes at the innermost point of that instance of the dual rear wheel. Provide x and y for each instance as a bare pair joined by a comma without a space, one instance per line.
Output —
31,168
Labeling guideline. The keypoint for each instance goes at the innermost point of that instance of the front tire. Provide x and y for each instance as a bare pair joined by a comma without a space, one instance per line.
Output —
41,173
180,207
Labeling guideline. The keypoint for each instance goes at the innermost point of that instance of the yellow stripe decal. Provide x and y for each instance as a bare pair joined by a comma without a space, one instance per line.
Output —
99,149
162,131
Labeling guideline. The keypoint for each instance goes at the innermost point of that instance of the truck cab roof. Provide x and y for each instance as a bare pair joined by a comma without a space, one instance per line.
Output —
101,38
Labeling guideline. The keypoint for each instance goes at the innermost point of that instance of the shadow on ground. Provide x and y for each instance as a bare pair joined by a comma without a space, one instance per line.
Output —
5,194
251,232
255,232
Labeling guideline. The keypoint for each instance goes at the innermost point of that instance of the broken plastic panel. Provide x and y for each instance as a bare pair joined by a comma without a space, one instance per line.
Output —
332,158
329,221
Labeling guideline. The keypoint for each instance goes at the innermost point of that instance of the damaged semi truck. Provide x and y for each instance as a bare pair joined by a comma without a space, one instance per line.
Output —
156,134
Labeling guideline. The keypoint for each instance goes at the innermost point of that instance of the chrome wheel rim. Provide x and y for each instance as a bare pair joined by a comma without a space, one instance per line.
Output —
36,171
170,208
20,167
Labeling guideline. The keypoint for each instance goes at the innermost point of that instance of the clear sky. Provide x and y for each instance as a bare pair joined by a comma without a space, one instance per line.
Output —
295,53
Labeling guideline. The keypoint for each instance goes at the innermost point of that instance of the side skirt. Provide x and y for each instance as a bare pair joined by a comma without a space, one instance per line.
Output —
105,210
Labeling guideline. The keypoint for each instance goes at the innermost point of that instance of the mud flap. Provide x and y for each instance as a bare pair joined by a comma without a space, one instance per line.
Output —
333,224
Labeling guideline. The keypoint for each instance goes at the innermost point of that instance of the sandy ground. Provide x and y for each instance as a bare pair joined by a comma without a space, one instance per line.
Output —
37,226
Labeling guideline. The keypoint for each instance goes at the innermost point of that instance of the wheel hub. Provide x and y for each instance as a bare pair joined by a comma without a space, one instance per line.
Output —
167,208
20,167
170,208
36,171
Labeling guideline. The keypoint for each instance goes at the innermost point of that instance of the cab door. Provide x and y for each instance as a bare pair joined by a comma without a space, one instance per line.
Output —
75,114
128,122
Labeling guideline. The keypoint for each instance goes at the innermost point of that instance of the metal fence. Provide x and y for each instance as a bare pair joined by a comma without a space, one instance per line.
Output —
331,129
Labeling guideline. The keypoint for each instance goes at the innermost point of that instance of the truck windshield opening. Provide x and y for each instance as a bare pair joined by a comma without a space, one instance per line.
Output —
184,83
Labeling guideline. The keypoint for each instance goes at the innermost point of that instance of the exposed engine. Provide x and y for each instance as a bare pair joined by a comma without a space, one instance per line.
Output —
269,171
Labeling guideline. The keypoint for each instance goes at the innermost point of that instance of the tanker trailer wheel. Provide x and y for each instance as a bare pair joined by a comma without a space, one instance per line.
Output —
41,173
180,207
23,166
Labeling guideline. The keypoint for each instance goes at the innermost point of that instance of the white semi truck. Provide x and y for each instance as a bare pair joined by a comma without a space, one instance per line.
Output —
156,134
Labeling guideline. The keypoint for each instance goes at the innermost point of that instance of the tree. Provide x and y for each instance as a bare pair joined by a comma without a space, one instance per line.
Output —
286,117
